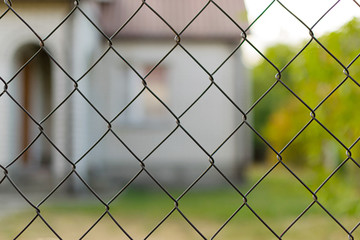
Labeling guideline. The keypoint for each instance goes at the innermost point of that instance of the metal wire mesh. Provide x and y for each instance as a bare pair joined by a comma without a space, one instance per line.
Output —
243,112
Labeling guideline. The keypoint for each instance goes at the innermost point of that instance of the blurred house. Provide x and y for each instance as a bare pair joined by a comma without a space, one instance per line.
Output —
103,95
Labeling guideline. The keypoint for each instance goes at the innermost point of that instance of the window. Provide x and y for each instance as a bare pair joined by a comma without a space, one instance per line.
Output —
147,108
157,82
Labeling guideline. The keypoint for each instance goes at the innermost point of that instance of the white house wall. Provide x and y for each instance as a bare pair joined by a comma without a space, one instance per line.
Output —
43,18
84,41
110,86
210,121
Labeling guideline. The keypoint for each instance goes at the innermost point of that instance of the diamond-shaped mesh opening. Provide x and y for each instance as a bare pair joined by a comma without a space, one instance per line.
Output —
38,229
166,163
112,11
177,223
311,85
341,202
113,92
207,23
264,81
57,207
289,114
323,155
244,223
323,226
32,168
107,175
280,208
109,227
146,14
90,35
96,121
340,46
143,139
208,112
167,9
139,120
345,130
154,202
54,15
143,63
227,83
219,193
183,81
229,158
338,10
279,29
316,10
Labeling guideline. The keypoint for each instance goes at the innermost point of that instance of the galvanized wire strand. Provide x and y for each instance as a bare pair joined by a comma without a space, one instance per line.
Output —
26,24
355,228
193,19
208,154
4,13
335,220
127,21
297,218
161,222
228,220
262,221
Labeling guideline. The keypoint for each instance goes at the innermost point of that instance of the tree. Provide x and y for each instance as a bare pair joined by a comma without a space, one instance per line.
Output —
324,82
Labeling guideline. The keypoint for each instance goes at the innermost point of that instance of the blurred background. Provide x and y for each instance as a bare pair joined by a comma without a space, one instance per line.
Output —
241,113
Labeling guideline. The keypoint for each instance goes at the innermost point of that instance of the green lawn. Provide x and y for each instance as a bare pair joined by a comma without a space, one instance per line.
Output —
278,201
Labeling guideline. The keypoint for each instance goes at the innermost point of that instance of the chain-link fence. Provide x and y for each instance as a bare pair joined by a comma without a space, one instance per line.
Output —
102,96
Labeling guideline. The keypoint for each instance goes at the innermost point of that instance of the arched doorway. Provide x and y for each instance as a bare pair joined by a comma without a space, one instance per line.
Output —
35,87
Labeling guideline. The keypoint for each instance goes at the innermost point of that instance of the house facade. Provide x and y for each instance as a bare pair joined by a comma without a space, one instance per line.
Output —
114,98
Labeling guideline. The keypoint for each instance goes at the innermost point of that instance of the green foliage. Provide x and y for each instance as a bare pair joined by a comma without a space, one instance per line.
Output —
317,76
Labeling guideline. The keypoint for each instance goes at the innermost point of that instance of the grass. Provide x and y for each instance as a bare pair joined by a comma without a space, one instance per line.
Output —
278,200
